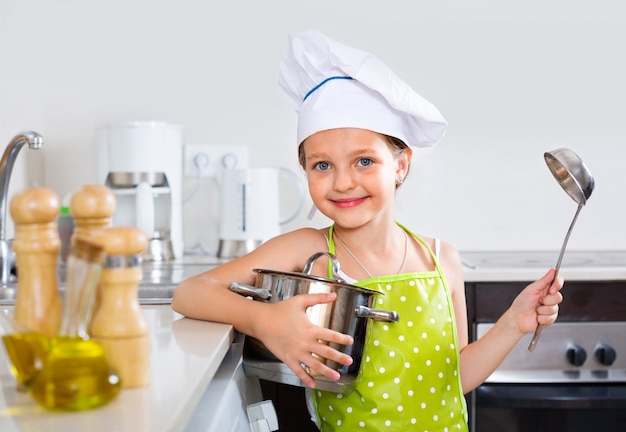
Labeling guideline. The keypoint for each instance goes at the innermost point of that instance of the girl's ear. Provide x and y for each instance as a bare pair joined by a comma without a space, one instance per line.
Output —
404,161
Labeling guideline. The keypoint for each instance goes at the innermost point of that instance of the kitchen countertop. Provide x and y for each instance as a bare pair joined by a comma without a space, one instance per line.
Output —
511,266
185,355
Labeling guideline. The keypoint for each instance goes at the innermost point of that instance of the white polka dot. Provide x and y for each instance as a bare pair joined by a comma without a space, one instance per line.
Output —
367,359
392,353
374,410
443,333
448,360
428,362
385,395
379,301
407,365
413,421
424,335
385,327
376,342
402,298
443,402
396,380
439,306
409,323
437,348
330,407
419,308
362,424
416,350
435,417
410,393
338,422
451,346
339,396
400,408
431,281
432,320
423,405
349,409
370,384
412,283
432,390
440,374
319,393
381,370
388,287
387,423
401,338
420,377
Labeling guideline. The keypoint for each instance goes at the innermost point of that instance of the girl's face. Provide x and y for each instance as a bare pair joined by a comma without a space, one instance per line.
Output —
352,174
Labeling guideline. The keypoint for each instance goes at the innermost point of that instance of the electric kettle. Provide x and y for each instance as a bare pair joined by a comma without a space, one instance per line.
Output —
250,208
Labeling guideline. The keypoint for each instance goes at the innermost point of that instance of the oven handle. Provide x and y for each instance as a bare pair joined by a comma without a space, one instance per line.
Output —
555,396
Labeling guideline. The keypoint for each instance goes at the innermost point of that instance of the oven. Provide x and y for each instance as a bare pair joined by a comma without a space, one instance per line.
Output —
575,379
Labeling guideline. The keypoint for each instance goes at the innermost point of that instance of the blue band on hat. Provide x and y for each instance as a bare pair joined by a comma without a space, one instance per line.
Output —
324,82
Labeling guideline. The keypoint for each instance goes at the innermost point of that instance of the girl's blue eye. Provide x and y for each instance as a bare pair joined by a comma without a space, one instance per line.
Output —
322,166
365,162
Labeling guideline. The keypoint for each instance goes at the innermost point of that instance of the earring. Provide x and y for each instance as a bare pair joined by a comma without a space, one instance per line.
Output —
399,180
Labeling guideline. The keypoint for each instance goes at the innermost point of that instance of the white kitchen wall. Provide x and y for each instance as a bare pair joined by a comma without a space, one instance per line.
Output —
514,79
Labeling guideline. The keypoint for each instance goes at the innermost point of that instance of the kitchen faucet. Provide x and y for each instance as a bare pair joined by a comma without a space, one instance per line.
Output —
35,141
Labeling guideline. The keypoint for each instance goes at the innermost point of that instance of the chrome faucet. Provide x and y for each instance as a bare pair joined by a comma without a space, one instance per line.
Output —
35,141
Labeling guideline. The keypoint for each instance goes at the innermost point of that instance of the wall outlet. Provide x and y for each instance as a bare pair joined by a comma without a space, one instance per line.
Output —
208,160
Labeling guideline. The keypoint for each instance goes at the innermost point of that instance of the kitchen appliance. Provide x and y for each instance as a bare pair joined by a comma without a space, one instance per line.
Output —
575,179
575,380
348,314
142,163
250,208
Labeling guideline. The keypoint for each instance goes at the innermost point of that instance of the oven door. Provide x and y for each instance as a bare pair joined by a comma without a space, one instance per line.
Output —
549,407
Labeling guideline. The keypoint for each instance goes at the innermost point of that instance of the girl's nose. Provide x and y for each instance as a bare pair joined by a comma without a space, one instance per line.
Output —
344,180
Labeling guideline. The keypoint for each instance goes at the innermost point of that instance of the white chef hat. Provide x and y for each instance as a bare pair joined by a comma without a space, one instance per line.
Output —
332,85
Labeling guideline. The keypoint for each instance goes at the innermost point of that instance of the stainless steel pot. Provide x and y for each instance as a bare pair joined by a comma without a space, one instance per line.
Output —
348,314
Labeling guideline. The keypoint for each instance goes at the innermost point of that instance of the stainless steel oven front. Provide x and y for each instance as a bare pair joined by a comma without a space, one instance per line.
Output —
574,380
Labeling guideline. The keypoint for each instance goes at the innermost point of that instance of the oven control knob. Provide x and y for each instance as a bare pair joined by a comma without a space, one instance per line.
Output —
576,355
605,354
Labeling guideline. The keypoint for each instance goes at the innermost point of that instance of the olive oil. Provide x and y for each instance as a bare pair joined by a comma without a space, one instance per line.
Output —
27,352
76,376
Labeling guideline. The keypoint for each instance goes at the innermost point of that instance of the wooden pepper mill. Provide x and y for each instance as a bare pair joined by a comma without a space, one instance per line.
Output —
92,207
119,323
38,303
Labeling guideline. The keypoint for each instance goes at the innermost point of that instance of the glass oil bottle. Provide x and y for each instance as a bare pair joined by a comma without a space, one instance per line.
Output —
76,374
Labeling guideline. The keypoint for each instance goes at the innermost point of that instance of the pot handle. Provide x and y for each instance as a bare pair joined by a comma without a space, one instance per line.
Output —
377,314
308,266
247,290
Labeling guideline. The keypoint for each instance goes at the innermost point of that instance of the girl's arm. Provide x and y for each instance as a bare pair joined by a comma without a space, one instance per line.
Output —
283,326
537,303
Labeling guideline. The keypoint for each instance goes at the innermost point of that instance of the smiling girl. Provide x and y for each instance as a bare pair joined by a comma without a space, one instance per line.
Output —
357,125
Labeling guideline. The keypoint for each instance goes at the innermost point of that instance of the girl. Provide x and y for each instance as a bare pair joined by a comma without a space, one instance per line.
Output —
357,123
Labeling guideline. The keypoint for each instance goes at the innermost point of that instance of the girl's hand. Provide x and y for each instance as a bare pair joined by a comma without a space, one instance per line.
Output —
538,303
288,333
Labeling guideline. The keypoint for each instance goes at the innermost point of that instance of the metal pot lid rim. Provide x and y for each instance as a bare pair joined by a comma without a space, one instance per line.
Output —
317,278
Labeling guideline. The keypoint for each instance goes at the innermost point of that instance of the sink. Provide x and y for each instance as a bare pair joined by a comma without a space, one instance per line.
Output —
157,286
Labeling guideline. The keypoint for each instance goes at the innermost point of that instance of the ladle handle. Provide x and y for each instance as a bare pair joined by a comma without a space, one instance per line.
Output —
533,342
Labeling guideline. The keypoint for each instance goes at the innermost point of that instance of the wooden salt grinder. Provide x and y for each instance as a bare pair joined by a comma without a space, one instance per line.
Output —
119,323
38,303
91,207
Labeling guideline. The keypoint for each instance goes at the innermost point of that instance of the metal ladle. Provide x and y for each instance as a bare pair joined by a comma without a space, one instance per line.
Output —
574,177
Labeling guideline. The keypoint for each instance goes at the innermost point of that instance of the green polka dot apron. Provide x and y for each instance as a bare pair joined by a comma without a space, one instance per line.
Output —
409,378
